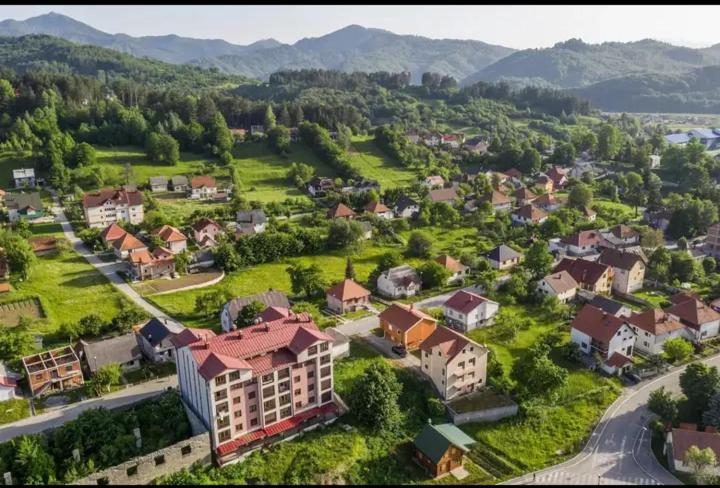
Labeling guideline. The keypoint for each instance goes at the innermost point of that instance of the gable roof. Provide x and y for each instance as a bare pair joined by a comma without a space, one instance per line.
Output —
202,181
269,298
546,199
450,263
347,289
340,210
443,195
190,335
606,304
434,440
682,439
127,242
116,196
619,259
524,194
121,349
503,253
496,198
561,281
691,311
24,200
112,232
158,180
169,233
596,323
403,317
581,270
655,321
530,212
179,180
156,330
622,231
255,216
464,301
583,238
376,207
203,223
405,202
402,275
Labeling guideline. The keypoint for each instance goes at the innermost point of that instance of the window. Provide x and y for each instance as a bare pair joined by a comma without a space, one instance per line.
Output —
224,422
311,374
312,350
237,414
324,347
234,376
237,400
311,387
132,470
298,391
296,379
69,367
326,397
269,405
325,371
268,391
253,408
311,399
285,399
253,422
325,359
461,364
220,380
270,418
427,354
268,378
159,460
282,387
251,395
326,384
224,435
426,366
220,395
222,407
285,412
236,386
283,374
471,361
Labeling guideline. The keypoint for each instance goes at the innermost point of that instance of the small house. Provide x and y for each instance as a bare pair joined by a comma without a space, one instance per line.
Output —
53,371
561,285
589,275
447,195
399,282
347,296
123,350
547,202
24,206
458,271
528,214
466,311
319,187
379,209
179,183
126,245
679,440
206,233
628,270
172,238
523,196
202,187
158,184
406,207
434,181
498,200
112,233
340,211
595,330
653,327
8,383
144,265
504,257
405,325
155,339
24,178
251,222
441,448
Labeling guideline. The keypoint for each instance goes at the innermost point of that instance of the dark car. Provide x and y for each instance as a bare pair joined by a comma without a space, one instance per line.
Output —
400,351
633,378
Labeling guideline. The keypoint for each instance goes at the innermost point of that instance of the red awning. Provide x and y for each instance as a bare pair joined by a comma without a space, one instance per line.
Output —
240,441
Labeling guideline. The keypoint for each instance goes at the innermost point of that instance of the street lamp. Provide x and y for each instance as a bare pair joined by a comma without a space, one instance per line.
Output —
599,476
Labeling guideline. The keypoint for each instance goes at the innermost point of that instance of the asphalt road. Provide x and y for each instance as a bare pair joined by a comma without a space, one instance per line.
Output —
619,449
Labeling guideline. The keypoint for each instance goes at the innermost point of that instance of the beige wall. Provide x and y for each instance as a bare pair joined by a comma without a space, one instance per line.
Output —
445,373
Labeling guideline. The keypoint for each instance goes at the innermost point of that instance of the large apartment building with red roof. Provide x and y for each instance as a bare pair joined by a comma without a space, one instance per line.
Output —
108,206
251,384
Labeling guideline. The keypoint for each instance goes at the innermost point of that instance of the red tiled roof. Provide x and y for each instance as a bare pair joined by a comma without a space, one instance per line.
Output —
43,243
203,223
524,194
682,440
141,257
597,323
655,321
546,199
8,382
190,335
274,313
530,212
403,316
202,181
617,360
340,210
216,363
347,290
581,270
118,196
622,231
376,207
449,341
583,238
127,242
556,174
619,259
168,233
464,301
450,263
112,232
496,198
692,312
443,195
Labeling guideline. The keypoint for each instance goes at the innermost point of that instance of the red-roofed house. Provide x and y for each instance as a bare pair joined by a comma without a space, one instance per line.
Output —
205,232
174,240
583,243
498,200
654,327
458,271
528,214
111,233
128,244
702,321
347,296
678,441
544,183
202,187
558,176
145,265
254,383
595,330
379,209
455,364
466,311
340,211
106,206
589,275
406,325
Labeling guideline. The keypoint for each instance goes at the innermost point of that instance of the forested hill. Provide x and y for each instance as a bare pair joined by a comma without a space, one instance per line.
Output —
573,63
53,55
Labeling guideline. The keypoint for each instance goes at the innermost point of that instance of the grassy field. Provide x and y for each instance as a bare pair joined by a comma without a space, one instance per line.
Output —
14,410
656,297
372,163
10,161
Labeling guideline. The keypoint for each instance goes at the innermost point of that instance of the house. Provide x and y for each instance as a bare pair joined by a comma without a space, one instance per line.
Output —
514,173
589,275
466,311
406,326
112,233
52,371
361,186
179,183
42,245
596,331
319,187
621,236
547,202
434,181
24,206
628,270
712,241
458,271
524,196
146,265
499,201
155,339
24,178
401,281
340,211
206,232
158,184
452,141
231,309
8,383
677,139
654,327
251,222
257,130
257,384
558,176
678,441
106,206
447,195
504,257
455,364
379,209
123,350
341,343
174,240
561,285
126,245
581,244
347,296
588,214
440,449
200,259
221,197
610,306
202,187
701,320
431,140
476,145
528,214
406,207
544,183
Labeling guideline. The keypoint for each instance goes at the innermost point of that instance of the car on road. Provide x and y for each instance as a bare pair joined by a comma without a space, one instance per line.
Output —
400,351
632,378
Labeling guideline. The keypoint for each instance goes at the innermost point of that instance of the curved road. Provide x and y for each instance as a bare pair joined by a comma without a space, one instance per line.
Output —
618,451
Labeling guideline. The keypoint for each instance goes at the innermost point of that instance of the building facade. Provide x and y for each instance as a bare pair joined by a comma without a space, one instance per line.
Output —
109,206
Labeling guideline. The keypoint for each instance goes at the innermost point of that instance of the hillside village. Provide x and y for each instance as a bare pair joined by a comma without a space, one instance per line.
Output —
336,278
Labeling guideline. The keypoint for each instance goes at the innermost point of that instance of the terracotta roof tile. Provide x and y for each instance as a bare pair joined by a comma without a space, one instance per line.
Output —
202,181
450,263
347,290
561,281
465,301
596,323
403,317
117,196
340,210
376,207
127,242
655,321
582,271
443,195
112,232
530,212
449,341
682,440
169,233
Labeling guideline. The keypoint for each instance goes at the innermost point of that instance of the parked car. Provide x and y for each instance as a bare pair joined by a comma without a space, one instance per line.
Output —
400,351
633,378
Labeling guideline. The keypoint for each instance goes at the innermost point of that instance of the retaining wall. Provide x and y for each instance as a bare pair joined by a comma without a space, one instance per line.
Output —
489,415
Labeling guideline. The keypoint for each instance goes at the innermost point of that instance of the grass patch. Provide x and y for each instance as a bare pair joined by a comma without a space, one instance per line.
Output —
372,163
481,400
14,410
657,298
10,161
150,371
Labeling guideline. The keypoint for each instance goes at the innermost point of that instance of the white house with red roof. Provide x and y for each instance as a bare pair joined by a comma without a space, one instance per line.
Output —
379,209
347,296
458,271
702,321
206,232
595,330
467,311
654,327
102,208
8,383
455,364
202,187
128,244
173,239
250,385
112,233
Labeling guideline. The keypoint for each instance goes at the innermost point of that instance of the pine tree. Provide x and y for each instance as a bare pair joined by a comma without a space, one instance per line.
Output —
349,269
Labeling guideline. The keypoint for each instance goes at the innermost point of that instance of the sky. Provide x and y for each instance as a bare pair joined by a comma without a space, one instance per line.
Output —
516,26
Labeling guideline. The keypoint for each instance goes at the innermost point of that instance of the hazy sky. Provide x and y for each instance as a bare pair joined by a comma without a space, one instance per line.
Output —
517,26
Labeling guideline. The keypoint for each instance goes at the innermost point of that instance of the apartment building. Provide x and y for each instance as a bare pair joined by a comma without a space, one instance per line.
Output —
108,206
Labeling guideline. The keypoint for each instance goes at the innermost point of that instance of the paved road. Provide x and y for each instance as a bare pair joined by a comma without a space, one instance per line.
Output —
619,448
360,327
58,417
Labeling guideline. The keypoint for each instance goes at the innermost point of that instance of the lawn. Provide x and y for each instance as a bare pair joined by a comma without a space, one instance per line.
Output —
656,297
372,163
14,410
10,161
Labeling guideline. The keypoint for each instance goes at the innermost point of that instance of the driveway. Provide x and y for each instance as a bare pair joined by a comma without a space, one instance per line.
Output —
385,347
619,448
360,327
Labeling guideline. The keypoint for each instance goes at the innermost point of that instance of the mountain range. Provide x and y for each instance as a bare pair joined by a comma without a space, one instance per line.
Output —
646,75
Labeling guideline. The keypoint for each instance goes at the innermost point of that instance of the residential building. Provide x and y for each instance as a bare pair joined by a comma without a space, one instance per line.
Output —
528,214
399,282
583,243
231,309
434,181
558,176
594,330
126,245
379,209
202,187
458,271
251,222
52,371
504,257
106,206
628,270
588,214
112,233
8,383
406,326
250,385
455,364
24,206
432,140
547,202
206,232
257,130
155,339
466,311
144,265
476,145
712,241
611,306
544,183
561,285
524,196
447,195
654,327
123,350
319,187
452,141
347,296
679,440
440,449
702,321
589,275
179,184
340,211
24,178
406,207
174,240
498,200
158,184
621,236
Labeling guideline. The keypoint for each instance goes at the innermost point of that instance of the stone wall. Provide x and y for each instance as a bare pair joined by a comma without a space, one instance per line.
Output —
488,415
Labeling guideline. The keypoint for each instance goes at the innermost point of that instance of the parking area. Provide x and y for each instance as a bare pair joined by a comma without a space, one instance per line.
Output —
385,348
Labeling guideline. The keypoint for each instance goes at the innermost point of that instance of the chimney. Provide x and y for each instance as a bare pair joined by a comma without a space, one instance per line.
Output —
206,345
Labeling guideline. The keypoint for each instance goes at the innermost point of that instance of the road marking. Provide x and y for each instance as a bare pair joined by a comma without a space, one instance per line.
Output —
568,478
